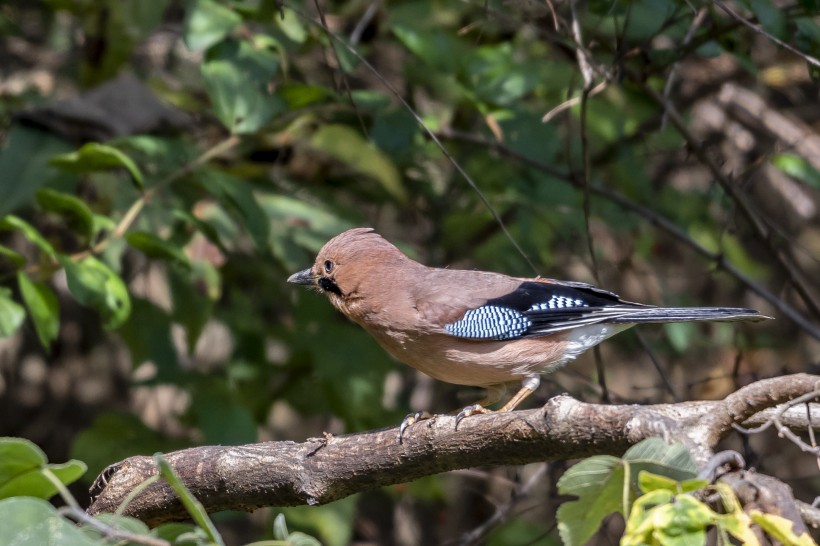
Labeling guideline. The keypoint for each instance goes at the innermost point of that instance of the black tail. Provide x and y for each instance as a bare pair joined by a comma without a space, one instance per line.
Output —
686,314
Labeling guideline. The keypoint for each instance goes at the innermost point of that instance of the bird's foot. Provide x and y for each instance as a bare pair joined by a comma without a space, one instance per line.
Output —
473,409
411,419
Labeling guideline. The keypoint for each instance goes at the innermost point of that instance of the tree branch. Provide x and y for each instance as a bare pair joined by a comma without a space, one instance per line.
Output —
322,470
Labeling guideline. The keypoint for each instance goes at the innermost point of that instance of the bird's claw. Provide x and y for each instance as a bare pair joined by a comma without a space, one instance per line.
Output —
473,409
411,418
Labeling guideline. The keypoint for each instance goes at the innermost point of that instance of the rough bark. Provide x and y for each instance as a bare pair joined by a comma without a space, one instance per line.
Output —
321,470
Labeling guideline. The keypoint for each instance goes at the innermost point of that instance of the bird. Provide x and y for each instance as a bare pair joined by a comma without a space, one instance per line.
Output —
477,328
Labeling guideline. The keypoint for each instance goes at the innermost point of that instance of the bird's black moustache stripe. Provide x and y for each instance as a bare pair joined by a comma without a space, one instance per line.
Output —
329,286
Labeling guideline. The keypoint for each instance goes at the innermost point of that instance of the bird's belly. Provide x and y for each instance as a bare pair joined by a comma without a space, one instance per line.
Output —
473,362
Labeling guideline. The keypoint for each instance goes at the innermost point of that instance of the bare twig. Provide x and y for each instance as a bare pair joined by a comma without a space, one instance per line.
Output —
584,62
345,82
368,16
667,383
574,101
673,71
760,30
502,513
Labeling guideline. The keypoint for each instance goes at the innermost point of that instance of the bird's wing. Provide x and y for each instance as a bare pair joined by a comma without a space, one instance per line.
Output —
539,307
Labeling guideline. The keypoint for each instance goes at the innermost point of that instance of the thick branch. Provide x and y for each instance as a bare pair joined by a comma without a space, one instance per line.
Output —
321,470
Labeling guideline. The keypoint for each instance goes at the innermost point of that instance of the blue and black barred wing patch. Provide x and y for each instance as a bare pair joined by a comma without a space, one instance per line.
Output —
539,308
490,322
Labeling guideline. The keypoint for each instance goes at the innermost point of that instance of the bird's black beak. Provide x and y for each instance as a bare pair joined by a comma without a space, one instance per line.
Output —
303,277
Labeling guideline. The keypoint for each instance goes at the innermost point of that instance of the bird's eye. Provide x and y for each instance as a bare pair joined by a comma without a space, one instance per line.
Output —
328,266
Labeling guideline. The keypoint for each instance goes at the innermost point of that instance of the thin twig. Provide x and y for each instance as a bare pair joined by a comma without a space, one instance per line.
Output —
760,30
569,103
367,17
667,383
776,418
427,130
554,14
673,72
502,513
587,72
345,82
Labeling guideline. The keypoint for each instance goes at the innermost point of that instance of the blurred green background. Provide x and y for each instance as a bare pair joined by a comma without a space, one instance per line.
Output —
203,151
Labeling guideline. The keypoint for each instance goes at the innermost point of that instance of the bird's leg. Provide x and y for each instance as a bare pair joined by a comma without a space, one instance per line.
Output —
412,418
494,394
528,386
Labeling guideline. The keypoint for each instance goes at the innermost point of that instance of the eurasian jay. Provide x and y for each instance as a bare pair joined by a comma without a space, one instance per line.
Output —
475,327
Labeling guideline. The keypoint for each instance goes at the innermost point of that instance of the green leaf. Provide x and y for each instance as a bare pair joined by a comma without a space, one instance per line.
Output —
93,157
17,259
598,482
797,167
21,466
237,78
331,523
220,415
781,529
299,95
289,236
24,165
29,232
124,523
95,285
443,52
292,26
175,533
238,196
156,248
674,460
207,230
688,486
651,482
301,539
771,17
80,215
12,313
680,335
147,333
43,307
663,518
207,23
192,505
26,521
347,145
280,527
193,294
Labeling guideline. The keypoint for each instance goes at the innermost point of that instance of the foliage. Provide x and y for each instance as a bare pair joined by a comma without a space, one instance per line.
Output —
433,121
654,487
27,480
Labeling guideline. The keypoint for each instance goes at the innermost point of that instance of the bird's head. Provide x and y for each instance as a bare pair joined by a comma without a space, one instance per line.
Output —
347,264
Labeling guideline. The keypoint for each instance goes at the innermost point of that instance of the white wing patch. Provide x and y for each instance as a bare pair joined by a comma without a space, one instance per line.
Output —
558,302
